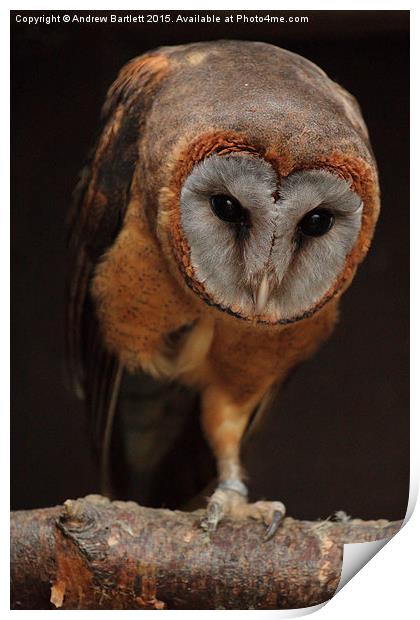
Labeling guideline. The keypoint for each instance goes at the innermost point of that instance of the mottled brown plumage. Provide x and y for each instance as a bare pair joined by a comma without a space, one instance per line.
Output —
136,301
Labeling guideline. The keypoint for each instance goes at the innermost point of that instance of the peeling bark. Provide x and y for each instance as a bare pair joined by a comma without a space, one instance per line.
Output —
95,554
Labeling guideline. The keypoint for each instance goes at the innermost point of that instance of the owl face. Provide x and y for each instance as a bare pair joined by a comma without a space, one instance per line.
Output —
263,248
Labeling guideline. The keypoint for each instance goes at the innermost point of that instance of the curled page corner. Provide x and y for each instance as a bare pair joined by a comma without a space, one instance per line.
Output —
357,555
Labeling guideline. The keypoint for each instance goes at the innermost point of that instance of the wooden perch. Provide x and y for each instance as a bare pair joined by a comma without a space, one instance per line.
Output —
95,554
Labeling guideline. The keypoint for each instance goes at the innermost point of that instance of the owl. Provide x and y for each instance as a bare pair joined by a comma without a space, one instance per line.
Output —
229,199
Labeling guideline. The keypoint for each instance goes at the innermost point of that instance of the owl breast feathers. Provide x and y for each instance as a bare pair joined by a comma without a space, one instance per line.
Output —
230,197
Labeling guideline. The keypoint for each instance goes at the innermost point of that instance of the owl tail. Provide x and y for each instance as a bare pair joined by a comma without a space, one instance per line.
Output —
158,455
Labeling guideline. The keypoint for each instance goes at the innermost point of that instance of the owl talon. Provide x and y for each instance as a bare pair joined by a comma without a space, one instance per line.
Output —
233,504
278,516
214,515
223,502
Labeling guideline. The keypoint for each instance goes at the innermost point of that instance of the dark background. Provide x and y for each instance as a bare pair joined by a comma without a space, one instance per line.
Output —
341,437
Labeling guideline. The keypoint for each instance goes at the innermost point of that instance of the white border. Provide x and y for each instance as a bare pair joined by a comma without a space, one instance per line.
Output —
387,586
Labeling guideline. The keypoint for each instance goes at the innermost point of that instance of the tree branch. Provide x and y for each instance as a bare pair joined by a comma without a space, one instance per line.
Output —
95,554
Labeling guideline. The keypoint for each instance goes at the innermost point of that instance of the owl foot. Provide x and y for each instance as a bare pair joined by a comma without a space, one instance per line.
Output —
226,502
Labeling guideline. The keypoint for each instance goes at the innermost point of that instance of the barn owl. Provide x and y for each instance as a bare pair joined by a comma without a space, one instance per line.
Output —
230,197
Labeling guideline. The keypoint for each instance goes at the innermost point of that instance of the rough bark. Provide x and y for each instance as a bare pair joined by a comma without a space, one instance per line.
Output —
95,554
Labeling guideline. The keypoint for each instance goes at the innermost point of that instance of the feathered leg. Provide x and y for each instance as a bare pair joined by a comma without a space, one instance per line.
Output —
224,423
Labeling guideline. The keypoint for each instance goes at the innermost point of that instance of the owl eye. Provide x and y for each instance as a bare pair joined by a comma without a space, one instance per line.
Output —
228,209
316,223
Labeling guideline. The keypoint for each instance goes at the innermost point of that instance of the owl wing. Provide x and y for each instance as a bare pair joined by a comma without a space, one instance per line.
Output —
99,205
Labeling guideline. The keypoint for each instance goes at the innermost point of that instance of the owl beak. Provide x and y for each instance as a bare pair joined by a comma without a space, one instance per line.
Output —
261,294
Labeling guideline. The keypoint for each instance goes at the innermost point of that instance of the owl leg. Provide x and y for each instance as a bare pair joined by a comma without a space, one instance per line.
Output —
224,423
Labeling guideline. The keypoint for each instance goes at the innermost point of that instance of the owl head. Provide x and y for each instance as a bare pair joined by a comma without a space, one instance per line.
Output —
265,248
271,194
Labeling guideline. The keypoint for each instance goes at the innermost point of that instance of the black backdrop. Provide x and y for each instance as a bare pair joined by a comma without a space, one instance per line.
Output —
340,438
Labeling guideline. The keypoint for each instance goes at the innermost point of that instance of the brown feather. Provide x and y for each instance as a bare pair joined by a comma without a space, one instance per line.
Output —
99,205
